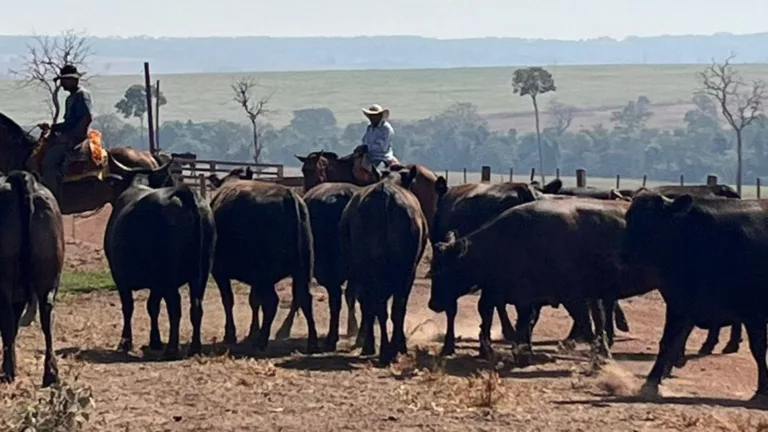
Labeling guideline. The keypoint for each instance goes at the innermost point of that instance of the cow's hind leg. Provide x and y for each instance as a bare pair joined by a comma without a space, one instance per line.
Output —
196,297
485,307
284,332
255,301
449,343
304,299
228,302
173,304
399,307
598,314
153,309
334,304
8,329
581,331
30,312
368,340
621,319
269,303
734,341
507,329
757,344
126,302
350,298
50,369
380,311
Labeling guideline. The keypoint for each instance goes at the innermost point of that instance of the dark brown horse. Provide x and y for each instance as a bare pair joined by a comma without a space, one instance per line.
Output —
320,167
89,192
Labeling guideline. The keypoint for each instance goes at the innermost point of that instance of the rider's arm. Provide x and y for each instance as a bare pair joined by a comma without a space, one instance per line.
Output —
80,118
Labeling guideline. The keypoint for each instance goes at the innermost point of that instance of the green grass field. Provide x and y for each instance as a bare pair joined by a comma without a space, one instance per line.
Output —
411,94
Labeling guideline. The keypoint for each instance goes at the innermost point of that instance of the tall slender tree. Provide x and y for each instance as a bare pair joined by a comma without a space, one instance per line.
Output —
534,81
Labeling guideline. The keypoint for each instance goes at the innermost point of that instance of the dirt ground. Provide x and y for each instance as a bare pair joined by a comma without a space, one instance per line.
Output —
285,390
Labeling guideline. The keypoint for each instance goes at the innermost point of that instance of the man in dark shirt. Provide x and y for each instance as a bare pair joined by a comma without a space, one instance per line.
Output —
67,135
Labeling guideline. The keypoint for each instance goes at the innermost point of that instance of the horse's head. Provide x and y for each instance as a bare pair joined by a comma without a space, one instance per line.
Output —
16,145
318,167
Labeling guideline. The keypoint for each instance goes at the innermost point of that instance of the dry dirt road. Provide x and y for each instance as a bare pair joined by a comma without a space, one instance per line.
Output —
286,390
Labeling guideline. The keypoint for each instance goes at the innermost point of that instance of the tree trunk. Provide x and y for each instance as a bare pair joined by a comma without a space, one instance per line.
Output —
739,166
256,146
538,139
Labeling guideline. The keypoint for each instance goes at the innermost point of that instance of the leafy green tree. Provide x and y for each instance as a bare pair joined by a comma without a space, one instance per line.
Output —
534,81
134,103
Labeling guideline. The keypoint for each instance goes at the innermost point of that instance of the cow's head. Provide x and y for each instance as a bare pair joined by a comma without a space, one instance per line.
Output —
162,176
236,174
652,231
449,277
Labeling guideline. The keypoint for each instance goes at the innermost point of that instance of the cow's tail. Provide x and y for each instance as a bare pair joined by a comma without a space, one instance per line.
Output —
19,182
189,201
305,249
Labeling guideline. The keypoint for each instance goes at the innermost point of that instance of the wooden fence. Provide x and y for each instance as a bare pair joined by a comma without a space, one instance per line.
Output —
581,178
195,172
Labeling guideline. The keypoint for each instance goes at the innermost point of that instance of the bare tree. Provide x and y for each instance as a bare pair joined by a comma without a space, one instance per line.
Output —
562,115
45,57
243,89
739,102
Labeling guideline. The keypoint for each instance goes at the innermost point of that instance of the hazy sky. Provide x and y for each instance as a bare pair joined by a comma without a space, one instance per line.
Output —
560,19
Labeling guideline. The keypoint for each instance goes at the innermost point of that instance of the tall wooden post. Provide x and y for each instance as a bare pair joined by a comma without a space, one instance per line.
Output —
157,116
150,121
485,174
581,178
711,180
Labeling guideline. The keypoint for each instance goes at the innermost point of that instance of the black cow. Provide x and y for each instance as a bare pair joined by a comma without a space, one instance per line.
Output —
31,261
161,239
543,252
383,236
709,255
465,208
326,203
264,236
704,191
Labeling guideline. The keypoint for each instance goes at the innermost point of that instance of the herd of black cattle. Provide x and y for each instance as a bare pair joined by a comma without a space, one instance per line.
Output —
703,247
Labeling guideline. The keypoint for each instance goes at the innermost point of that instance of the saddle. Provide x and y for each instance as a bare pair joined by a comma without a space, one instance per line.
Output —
362,169
87,159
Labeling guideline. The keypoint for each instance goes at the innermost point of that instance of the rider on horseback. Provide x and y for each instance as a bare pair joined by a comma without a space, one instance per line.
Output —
377,141
67,136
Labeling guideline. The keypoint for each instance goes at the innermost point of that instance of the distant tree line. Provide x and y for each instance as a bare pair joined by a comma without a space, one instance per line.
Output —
460,138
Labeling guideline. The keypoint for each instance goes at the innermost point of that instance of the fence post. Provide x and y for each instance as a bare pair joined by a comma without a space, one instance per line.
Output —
557,173
465,176
446,176
682,180
485,174
533,174
511,175
581,178
618,180
758,188
203,189
280,173
712,180
645,179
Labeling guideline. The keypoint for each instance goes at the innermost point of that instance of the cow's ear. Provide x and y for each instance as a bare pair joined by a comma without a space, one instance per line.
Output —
453,245
441,186
616,195
301,159
407,178
215,180
553,187
681,204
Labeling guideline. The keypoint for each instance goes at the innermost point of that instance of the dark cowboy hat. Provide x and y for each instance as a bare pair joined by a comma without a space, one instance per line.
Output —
68,71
